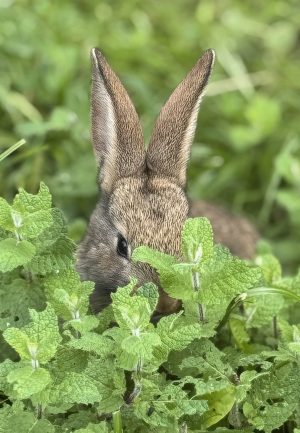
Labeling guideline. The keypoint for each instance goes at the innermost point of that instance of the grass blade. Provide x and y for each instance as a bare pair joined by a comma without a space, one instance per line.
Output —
11,149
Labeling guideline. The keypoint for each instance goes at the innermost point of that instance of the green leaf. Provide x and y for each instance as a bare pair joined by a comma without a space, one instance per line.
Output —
262,309
76,388
150,292
32,213
6,367
28,381
270,267
58,257
84,324
110,380
95,343
141,344
68,360
225,276
17,296
208,360
220,403
14,253
167,405
273,397
131,312
15,419
94,428
68,294
176,334
156,259
238,329
197,240
37,341
6,220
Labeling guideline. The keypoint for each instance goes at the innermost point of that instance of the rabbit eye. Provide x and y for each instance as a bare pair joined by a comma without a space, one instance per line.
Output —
122,246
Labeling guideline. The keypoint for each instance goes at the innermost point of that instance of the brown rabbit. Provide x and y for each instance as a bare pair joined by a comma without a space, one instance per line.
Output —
142,192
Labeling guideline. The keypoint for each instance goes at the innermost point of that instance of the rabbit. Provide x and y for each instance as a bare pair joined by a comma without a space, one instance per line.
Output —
143,201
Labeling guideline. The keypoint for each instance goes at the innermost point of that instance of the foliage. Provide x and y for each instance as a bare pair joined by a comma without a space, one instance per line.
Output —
246,152
220,363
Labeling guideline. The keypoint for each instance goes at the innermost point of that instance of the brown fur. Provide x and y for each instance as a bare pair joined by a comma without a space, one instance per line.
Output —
142,192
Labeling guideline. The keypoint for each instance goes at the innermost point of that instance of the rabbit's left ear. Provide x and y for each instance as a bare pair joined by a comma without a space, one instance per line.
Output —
173,134
116,130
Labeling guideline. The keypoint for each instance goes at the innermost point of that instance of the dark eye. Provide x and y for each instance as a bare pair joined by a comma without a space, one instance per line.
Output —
122,246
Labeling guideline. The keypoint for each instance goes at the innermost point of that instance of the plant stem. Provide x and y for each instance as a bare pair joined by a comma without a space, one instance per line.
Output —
117,422
183,428
39,411
11,149
196,285
137,384
275,327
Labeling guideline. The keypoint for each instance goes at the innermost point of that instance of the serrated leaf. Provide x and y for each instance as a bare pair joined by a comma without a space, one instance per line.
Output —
68,360
57,257
95,343
156,259
5,368
167,405
238,329
273,397
57,229
270,267
175,334
6,221
110,380
207,359
225,276
28,381
14,253
68,294
132,313
32,214
141,345
197,240
262,309
37,341
149,291
17,296
30,203
76,388
84,324
14,419
94,428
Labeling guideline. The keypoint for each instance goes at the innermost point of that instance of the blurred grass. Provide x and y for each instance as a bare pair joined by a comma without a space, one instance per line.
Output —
247,150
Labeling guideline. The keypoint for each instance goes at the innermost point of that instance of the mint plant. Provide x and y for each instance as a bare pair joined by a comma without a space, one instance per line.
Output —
228,360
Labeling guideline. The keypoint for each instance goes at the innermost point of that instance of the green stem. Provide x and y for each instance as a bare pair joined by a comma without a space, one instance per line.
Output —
275,327
39,411
11,149
196,285
136,377
117,422
252,293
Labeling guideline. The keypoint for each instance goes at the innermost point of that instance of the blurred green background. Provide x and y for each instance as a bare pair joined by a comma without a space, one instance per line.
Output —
246,153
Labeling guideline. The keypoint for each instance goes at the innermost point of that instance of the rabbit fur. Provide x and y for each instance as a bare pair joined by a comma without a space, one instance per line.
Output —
143,201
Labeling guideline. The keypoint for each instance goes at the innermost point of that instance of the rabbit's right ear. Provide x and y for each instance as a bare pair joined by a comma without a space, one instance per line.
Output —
116,131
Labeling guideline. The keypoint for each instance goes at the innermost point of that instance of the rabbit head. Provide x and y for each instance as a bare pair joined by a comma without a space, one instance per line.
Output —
142,191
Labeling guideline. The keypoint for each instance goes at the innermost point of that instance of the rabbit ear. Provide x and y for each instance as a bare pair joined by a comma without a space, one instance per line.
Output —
116,131
169,147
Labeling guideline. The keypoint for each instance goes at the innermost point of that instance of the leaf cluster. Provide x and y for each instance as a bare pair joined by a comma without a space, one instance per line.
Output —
228,360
